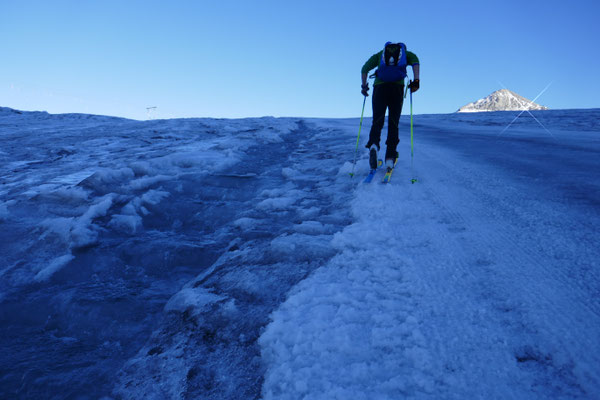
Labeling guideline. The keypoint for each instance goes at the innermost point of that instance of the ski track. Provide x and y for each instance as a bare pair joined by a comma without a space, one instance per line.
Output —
271,274
516,280
487,281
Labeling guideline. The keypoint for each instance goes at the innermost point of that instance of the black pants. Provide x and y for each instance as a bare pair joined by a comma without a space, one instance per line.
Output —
390,96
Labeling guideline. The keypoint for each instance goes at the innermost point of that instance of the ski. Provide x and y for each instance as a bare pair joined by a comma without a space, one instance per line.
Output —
372,172
388,174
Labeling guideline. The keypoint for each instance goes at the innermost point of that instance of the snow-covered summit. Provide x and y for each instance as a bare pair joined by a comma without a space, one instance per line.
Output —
502,100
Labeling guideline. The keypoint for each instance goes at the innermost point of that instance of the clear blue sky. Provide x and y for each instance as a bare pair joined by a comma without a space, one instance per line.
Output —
288,58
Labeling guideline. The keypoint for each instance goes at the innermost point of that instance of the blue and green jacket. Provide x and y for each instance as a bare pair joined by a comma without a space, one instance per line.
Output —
375,59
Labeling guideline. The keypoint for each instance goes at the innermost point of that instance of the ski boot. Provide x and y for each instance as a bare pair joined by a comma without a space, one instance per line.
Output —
373,157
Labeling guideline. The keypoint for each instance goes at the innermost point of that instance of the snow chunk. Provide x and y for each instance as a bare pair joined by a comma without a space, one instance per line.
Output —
72,194
276,204
126,223
56,265
245,223
280,191
306,213
284,244
106,177
310,228
97,210
42,190
141,168
146,181
280,199
154,196
79,232
197,299
129,220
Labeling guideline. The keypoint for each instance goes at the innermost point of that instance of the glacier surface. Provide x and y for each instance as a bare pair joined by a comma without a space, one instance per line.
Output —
237,259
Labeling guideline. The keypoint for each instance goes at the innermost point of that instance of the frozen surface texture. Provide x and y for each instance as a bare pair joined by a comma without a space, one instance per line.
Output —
237,259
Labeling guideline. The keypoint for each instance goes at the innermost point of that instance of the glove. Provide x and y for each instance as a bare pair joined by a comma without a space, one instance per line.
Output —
365,89
414,86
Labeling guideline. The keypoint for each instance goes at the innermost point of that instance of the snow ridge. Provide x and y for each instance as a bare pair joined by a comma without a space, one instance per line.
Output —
348,331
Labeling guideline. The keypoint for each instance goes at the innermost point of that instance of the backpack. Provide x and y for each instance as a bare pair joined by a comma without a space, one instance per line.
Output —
392,66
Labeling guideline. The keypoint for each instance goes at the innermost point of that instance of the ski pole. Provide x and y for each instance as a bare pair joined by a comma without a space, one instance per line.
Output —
412,146
358,137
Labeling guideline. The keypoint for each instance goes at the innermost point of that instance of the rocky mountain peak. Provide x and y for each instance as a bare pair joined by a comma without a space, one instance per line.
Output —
502,100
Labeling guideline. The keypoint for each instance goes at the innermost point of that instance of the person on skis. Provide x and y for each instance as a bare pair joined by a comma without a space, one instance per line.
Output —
388,93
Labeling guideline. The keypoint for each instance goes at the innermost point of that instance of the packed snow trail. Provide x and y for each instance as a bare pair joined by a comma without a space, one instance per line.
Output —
480,281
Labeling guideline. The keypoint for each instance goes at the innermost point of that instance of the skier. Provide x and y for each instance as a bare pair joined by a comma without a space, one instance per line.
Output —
388,93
